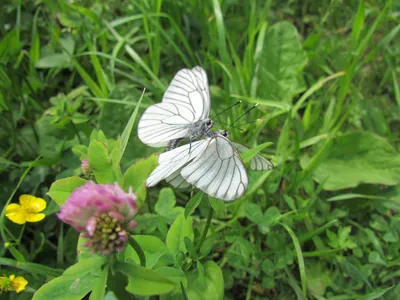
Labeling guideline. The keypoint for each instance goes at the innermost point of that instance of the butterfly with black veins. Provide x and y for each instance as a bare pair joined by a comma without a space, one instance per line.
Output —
213,165
183,113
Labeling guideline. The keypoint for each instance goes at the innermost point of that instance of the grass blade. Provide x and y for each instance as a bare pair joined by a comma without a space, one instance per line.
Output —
128,129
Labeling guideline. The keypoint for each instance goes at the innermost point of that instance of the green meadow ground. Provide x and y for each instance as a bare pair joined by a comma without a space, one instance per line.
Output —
324,224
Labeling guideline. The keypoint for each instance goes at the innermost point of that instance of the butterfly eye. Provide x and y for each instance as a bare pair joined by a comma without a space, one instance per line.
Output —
209,123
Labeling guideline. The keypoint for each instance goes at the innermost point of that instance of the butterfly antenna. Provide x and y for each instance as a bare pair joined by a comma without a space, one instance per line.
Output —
246,112
237,103
239,126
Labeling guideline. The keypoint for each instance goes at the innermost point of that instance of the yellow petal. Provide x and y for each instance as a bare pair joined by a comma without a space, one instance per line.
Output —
35,217
12,277
32,203
17,216
19,284
25,200
13,207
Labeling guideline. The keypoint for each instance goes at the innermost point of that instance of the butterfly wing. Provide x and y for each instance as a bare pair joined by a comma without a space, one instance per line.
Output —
218,170
185,102
172,161
258,162
177,181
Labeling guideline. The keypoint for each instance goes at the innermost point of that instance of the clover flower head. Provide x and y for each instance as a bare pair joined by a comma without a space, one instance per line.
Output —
28,210
103,213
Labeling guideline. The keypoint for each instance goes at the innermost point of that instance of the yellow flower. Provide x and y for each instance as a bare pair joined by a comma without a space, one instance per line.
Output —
18,283
12,283
27,211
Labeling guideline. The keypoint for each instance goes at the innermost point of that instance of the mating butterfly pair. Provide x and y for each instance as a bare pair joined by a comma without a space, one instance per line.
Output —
211,164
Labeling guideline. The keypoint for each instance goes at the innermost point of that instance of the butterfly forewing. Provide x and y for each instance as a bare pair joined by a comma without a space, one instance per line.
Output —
185,102
218,170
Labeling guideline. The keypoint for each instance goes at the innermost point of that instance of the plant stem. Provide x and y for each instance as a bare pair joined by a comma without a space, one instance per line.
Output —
77,133
204,234
250,288
138,250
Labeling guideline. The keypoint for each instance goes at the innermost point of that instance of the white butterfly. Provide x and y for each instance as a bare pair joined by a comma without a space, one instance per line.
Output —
183,113
213,165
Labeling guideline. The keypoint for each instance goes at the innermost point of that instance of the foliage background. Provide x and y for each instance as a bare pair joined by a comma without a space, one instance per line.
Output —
324,224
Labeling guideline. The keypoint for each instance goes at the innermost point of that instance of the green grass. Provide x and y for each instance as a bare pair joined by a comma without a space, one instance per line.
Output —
324,224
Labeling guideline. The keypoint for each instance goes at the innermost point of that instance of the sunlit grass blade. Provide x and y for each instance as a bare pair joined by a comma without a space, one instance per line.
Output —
100,74
300,258
31,267
396,88
222,47
128,129
94,88
248,155
268,103
312,90
136,57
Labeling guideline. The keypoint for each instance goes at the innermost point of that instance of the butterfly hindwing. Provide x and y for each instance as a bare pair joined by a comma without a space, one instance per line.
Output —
258,162
218,170
174,160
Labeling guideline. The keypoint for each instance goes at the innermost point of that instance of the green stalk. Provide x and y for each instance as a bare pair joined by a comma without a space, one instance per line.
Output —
205,231
138,250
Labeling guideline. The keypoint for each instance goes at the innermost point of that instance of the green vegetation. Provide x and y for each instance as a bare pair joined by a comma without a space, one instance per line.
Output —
75,77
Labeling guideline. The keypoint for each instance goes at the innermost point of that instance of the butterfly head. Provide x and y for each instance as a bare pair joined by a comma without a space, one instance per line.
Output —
209,123
224,133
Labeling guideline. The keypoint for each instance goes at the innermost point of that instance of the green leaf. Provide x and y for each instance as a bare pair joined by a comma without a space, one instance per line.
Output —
254,213
145,282
100,286
76,281
155,251
270,218
355,158
137,174
54,60
214,283
115,162
61,189
172,274
9,43
319,278
281,62
87,265
375,258
66,288
193,203
166,202
100,162
129,126
217,205
283,142
376,294
115,116
181,228
190,247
